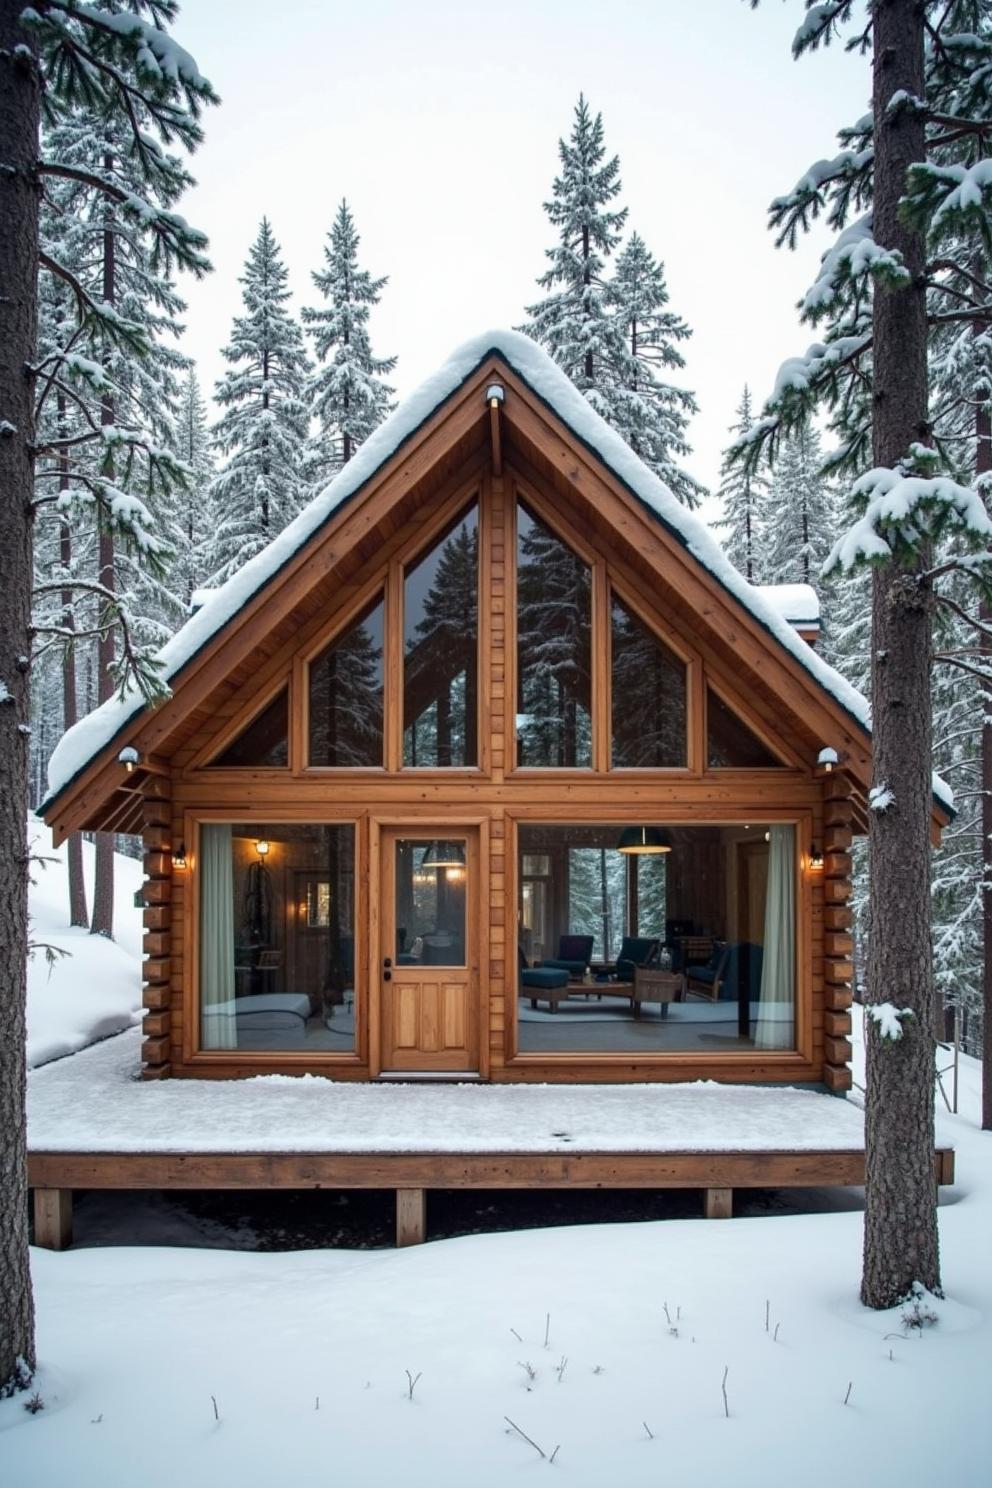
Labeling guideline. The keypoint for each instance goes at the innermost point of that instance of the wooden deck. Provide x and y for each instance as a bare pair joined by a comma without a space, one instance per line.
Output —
55,1175
93,1125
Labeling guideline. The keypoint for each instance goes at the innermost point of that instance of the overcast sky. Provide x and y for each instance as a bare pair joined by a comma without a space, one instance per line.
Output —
440,121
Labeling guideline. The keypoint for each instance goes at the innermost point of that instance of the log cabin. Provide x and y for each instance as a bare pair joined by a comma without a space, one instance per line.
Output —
490,766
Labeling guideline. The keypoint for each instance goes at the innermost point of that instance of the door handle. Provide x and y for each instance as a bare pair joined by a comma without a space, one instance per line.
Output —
387,963
387,976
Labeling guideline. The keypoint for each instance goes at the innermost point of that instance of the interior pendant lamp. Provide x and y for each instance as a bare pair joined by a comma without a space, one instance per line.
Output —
444,855
644,840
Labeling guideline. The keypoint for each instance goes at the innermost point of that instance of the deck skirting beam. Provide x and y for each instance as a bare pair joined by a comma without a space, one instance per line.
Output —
54,1175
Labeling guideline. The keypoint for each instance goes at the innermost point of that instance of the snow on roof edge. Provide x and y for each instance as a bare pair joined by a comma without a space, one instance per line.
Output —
797,603
550,385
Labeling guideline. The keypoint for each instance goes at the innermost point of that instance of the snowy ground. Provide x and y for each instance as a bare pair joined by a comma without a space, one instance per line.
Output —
608,1342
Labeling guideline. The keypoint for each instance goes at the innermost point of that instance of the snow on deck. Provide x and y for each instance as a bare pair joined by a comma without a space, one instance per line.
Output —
96,1102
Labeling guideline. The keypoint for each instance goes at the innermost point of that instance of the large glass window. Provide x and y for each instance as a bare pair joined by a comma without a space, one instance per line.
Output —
264,742
346,695
649,712
277,937
440,650
554,649
690,947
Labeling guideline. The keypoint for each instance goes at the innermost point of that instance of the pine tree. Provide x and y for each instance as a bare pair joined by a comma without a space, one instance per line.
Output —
880,291
574,322
263,432
70,56
743,491
650,413
798,518
186,519
346,392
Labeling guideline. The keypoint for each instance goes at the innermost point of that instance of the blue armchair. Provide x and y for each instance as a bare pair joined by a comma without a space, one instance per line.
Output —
574,954
634,951
732,974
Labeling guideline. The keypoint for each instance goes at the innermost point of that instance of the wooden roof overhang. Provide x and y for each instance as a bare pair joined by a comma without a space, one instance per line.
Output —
453,445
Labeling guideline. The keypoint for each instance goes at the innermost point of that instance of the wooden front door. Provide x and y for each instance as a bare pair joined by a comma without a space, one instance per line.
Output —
429,949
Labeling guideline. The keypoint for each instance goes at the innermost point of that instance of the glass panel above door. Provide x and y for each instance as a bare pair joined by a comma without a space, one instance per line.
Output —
431,886
346,695
441,650
554,650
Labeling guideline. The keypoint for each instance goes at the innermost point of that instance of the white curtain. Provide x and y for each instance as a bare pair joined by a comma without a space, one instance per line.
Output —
219,1024
776,1006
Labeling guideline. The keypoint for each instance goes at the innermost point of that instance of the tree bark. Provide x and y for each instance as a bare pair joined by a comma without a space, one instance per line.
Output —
103,866
70,700
983,465
900,1239
20,97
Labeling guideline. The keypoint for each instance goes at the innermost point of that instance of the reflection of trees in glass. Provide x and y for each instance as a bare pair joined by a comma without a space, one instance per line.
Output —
265,741
440,676
651,895
553,649
731,744
648,697
346,696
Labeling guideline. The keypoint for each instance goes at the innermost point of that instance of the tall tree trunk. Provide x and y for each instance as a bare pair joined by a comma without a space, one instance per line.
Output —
103,869
20,97
983,465
70,702
900,1242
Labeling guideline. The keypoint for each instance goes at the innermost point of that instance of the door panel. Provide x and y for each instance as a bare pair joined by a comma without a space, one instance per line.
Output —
428,972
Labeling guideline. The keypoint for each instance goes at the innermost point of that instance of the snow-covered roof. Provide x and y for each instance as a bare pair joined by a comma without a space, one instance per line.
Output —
799,604
547,381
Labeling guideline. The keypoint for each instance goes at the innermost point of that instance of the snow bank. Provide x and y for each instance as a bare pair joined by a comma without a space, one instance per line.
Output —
95,989
550,384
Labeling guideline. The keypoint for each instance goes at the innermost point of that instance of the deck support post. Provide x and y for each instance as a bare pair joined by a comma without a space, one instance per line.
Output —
718,1203
411,1216
53,1218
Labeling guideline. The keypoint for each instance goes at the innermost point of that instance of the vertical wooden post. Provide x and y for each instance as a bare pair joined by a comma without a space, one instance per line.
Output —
411,1216
53,1218
718,1203
838,945
157,917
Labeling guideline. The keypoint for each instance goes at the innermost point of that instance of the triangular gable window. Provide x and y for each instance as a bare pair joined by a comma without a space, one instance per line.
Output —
264,743
730,744
649,697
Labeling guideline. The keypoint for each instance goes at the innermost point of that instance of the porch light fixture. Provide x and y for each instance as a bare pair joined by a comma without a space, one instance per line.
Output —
443,855
129,757
827,760
815,859
179,856
262,848
495,395
644,840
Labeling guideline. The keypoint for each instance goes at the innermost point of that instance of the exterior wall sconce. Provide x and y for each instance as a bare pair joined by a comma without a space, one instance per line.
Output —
262,847
495,395
179,856
129,758
815,859
827,761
